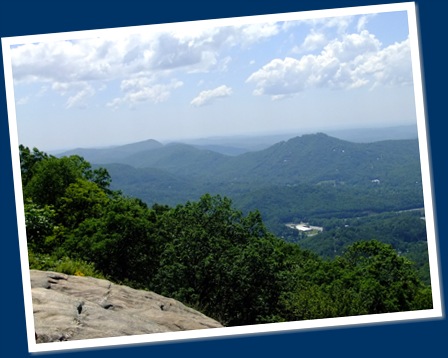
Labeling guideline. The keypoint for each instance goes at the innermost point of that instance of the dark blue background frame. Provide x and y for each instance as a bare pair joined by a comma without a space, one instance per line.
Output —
400,339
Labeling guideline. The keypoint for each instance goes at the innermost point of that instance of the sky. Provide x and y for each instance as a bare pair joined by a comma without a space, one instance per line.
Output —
263,75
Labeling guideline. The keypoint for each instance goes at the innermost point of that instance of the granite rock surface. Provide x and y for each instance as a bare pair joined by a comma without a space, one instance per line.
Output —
69,307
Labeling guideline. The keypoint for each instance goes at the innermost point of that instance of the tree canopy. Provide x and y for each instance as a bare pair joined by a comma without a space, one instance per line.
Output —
205,253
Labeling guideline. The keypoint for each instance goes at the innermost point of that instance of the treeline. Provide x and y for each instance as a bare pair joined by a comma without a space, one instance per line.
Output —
305,202
404,231
312,176
204,253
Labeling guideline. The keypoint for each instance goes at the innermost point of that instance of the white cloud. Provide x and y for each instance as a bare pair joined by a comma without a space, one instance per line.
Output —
62,88
78,92
144,89
22,100
253,33
77,100
362,21
115,103
313,41
324,28
353,61
156,93
170,53
391,66
351,46
207,97
149,65
339,23
62,61
111,58
64,65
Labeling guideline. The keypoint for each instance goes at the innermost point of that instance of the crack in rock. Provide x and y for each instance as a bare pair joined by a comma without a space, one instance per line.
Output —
79,308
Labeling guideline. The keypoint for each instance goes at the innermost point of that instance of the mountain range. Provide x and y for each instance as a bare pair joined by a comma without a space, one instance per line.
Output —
310,158
300,177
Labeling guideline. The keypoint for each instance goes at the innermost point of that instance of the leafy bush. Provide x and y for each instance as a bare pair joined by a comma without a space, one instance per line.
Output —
64,265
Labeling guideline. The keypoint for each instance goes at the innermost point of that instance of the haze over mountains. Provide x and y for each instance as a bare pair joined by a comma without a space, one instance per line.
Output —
241,144
297,177
365,188
310,158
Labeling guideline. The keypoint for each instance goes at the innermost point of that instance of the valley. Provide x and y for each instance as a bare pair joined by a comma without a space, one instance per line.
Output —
314,178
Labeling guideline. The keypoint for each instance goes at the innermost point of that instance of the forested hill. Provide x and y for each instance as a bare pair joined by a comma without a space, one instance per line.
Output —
309,158
306,177
319,157
214,257
113,154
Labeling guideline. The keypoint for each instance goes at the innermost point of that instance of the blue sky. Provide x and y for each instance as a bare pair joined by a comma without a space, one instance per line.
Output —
212,78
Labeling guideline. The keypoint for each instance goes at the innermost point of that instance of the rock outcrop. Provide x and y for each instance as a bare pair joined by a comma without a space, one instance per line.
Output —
71,308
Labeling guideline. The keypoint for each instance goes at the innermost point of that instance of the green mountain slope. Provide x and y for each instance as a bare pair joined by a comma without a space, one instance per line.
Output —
113,154
152,185
311,176
312,158
178,158
320,158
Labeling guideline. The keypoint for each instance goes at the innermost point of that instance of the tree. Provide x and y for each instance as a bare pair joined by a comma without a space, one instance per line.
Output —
81,200
39,223
220,261
28,159
119,241
52,176
378,278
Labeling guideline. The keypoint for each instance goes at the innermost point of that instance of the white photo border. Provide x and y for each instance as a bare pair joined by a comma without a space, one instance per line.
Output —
435,313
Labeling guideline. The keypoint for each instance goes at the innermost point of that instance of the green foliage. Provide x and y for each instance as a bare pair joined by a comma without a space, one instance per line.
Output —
210,255
113,154
118,242
382,280
81,200
77,268
45,178
309,176
405,231
314,158
218,260
51,178
28,159
64,265
39,223
369,278
99,176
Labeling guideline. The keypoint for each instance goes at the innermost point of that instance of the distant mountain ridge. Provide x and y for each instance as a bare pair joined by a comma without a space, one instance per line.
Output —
312,174
236,145
112,154
176,172
319,157
310,158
